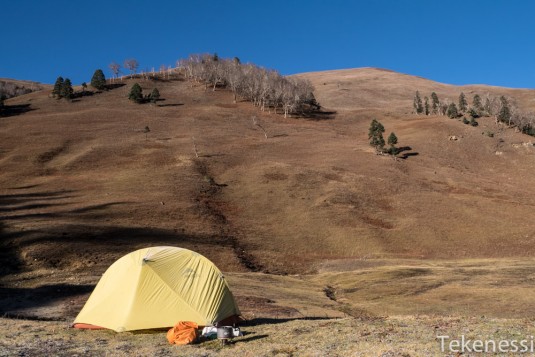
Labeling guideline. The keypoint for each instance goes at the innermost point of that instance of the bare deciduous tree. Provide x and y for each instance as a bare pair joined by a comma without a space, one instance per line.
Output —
132,65
266,89
115,69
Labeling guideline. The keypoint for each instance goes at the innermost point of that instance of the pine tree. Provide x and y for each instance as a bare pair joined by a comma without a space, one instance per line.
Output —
504,115
155,95
435,103
66,89
452,111
84,86
136,93
426,106
98,80
476,103
463,105
392,141
56,92
375,134
418,107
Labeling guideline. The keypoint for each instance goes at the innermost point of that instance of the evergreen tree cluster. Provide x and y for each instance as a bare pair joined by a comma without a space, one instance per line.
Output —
449,108
502,108
62,88
375,135
136,95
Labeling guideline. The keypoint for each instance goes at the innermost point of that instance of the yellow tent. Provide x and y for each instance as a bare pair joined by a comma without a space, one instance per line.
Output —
155,288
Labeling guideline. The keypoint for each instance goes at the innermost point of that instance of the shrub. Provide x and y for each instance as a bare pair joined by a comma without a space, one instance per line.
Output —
154,95
136,93
473,113
465,121
473,122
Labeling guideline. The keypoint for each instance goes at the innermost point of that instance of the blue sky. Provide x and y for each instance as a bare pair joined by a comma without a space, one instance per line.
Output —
458,42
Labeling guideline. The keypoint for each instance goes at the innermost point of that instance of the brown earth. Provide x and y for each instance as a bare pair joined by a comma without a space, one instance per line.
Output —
82,184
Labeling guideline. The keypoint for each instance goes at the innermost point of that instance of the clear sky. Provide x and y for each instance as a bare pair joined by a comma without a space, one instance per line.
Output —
458,42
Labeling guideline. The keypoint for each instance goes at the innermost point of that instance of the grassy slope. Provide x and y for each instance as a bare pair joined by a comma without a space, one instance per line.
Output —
81,185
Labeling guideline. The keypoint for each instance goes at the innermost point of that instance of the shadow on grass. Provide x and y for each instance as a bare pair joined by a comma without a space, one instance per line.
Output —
248,338
405,155
170,105
316,115
17,302
11,110
272,321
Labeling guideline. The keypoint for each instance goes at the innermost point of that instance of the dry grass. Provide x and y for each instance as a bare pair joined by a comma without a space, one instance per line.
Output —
396,336
500,288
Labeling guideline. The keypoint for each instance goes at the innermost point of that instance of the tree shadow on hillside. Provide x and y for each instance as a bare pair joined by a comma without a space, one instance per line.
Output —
111,86
319,115
17,109
171,105
16,302
78,235
85,93
405,155
273,321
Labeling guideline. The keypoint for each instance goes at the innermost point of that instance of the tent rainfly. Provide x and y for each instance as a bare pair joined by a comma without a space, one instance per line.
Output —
156,288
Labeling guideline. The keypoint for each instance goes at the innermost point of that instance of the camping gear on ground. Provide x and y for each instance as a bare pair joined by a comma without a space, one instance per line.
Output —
224,333
156,287
183,333
209,333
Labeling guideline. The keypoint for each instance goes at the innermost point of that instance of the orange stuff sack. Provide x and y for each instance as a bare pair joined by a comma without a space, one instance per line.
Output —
183,333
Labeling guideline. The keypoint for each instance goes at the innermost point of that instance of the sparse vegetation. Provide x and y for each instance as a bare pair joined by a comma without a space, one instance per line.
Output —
10,89
98,80
266,89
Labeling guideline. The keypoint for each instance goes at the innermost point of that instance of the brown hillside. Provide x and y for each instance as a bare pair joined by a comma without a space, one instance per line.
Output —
385,90
84,174
81,184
